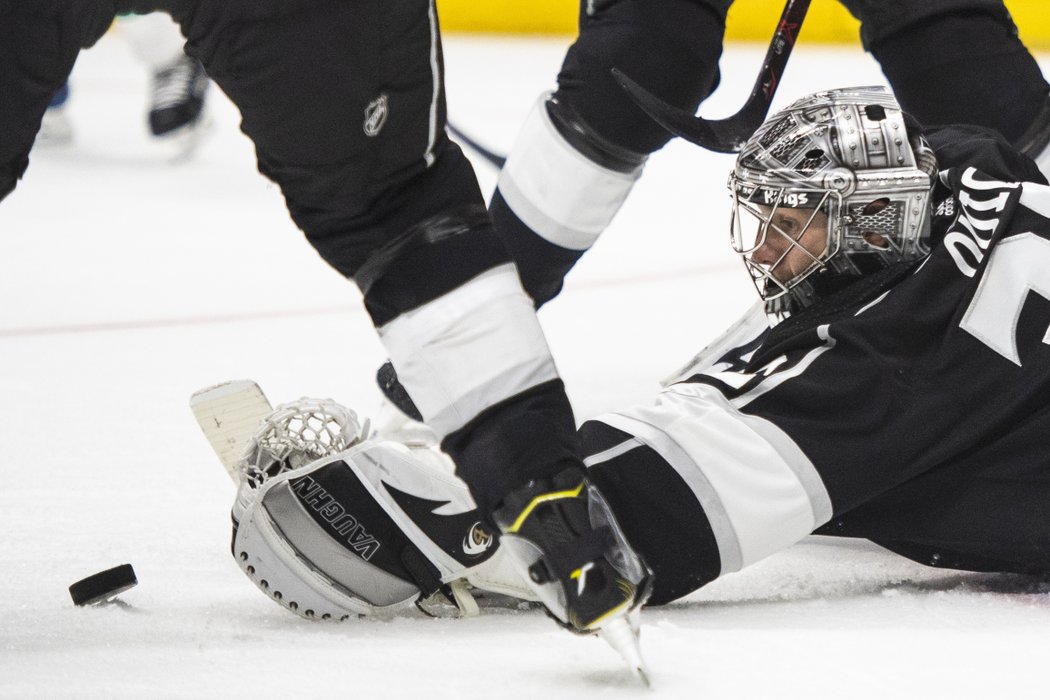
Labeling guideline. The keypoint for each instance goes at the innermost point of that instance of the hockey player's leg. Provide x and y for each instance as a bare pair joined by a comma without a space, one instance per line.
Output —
394,205
559,530
508,426
353,133
959,62
582,148
39,41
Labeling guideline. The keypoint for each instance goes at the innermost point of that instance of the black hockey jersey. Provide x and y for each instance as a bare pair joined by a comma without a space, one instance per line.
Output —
911,407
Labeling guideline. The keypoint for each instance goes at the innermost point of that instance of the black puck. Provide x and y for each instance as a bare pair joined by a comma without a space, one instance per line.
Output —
103,586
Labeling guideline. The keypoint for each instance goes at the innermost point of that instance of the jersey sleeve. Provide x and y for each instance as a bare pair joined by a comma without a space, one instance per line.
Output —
966,145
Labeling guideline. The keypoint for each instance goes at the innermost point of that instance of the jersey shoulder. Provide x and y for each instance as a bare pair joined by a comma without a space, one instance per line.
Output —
968,146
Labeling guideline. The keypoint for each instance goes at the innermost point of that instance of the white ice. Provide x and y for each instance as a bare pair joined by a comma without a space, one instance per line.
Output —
127,282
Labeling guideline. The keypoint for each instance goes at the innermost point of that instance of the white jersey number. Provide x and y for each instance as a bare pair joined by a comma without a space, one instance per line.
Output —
1018,265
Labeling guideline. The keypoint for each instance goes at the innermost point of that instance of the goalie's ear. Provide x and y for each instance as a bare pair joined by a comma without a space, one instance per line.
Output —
371,529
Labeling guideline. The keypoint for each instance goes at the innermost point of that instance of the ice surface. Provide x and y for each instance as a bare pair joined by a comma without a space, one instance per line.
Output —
126,283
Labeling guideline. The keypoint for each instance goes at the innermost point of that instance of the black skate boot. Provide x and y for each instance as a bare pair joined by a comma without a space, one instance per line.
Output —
566,542
177,101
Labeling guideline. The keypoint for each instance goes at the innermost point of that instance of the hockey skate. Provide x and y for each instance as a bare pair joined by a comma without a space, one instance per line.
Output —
566,542
177,115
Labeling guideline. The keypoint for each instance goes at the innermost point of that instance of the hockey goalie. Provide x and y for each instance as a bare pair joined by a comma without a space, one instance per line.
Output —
892,383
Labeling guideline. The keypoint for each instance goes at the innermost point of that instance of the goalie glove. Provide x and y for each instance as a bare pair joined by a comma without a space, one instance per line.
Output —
369,530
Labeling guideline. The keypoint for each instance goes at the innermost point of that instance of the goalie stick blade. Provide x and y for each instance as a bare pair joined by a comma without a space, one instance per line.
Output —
724,136
728,135
229,414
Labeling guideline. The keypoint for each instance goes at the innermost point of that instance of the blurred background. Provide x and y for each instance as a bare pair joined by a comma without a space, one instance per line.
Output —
749,20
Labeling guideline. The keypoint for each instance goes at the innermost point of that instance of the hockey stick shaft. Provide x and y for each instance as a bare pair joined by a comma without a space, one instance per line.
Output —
728,135
497,160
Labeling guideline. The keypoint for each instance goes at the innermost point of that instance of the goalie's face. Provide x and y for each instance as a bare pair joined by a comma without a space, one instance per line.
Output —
782,236
790,242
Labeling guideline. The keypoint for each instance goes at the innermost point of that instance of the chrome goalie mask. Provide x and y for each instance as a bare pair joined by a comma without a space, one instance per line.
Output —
834,186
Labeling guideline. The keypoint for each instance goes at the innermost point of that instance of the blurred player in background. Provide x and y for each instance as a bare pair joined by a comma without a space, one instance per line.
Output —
178,87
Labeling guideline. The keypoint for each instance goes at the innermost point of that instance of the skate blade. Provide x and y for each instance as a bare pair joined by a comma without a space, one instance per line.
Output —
622,636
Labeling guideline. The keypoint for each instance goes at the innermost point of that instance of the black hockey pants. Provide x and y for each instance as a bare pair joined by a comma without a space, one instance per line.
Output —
344,102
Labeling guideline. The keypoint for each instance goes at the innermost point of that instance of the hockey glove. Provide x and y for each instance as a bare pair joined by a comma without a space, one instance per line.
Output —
372,529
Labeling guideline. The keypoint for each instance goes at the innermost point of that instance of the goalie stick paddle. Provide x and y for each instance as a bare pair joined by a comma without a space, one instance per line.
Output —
728,135
229,414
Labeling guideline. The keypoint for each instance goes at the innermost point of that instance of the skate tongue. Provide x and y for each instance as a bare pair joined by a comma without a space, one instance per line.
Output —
623,637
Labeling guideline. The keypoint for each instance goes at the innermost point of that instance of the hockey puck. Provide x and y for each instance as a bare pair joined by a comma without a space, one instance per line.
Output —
103,586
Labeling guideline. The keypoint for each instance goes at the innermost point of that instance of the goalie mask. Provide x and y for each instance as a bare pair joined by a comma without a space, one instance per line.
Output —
835,186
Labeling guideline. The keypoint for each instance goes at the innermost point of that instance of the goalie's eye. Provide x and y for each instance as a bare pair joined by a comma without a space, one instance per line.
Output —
786,225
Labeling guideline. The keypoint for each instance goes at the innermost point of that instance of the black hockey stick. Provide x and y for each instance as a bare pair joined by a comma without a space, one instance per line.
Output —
728,135
496,159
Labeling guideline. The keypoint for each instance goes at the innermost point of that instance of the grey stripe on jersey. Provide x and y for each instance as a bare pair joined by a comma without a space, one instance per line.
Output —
1036,197
721,524
613,452
759,491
